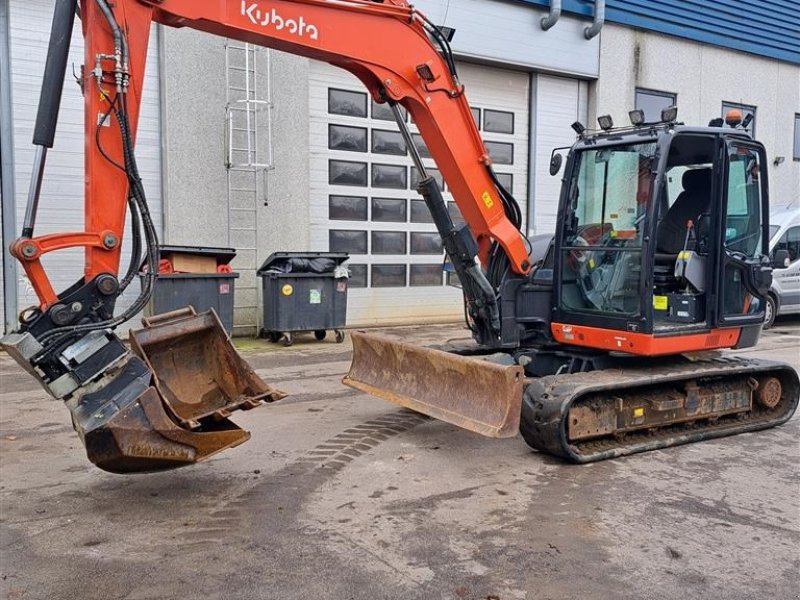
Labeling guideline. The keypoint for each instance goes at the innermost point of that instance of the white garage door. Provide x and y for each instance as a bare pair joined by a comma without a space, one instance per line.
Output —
363,190
62,200
560,101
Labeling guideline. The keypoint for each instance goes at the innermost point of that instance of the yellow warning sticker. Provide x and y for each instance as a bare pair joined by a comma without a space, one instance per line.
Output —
287,290
660,302
638,413
487,200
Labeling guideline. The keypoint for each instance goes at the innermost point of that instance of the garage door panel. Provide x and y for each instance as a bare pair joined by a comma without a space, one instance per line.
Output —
560,101
396,257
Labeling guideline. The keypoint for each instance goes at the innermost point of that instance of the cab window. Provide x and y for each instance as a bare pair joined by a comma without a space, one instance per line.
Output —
743,211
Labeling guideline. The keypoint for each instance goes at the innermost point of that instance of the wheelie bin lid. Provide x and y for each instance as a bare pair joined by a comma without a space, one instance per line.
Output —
276,260
223,255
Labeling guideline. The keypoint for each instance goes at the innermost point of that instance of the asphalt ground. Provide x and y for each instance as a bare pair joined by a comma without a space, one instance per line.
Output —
339,495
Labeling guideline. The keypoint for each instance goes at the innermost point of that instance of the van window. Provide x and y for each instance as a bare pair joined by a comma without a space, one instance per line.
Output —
790,241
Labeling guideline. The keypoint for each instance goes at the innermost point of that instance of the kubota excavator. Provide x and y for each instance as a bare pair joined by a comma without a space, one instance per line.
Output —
593,344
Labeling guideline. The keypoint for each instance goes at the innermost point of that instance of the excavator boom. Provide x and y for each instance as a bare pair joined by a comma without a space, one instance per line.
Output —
165,402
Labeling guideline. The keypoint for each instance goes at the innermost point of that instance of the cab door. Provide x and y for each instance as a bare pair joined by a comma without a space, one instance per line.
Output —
743,270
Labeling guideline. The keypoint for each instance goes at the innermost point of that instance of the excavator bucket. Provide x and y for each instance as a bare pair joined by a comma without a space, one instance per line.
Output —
168,406
474,394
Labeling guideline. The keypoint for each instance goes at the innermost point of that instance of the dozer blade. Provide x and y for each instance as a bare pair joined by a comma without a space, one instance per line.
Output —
168,406
474,394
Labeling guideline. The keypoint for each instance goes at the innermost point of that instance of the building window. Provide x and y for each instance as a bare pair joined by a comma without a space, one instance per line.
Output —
426,275
388,276
388,242
345,102
745,109
345,172
352,139
388,142
653,102
797,136
347,208
501,153
352,242
358,276
389,176
498,121
389,210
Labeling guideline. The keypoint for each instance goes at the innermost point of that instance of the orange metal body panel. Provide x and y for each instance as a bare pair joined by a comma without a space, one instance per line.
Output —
380,43
643,344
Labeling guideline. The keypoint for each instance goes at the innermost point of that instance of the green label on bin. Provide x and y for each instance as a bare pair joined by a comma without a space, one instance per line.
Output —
315,297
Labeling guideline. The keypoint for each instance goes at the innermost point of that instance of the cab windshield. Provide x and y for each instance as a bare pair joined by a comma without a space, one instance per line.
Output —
610,194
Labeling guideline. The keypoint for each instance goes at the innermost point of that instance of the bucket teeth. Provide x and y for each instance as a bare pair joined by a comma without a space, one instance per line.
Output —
477,395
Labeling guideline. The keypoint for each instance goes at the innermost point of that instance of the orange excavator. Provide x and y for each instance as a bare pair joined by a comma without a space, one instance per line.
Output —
594,343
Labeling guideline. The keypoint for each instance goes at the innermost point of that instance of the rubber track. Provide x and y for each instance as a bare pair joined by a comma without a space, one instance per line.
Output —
548,400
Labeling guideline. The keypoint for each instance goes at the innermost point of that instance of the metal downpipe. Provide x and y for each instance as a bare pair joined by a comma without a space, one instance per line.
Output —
555,14
599,19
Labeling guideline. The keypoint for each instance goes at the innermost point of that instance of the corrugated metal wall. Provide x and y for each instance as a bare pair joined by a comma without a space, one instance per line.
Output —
768,28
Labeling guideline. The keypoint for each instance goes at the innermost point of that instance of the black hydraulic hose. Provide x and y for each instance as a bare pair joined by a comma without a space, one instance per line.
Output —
447,51
137,196
136,249
513,211
112,22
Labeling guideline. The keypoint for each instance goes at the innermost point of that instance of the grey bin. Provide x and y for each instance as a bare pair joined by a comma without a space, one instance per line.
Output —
303,301
203,291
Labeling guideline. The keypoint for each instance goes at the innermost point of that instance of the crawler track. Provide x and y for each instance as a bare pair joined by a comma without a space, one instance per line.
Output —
547,403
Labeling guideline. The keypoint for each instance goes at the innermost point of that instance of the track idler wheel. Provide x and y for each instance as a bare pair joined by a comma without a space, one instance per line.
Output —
768,392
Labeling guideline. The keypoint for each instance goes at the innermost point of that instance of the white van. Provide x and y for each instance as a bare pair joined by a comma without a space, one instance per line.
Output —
784,295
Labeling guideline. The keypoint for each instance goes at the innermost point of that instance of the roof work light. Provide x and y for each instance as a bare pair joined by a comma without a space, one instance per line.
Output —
605,122
637,117
669,114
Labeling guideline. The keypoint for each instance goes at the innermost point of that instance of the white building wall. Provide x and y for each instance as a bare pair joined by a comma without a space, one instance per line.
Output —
703,77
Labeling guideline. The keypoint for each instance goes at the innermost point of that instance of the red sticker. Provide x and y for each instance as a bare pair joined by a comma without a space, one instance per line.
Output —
224,288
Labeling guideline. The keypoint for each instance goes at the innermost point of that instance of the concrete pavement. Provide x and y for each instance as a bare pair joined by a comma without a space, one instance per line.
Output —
339,495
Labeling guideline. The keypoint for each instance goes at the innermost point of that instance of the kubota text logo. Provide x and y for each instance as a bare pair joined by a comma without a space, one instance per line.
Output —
267,18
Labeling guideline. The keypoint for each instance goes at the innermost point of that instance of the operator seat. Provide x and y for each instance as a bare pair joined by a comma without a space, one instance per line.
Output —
692,202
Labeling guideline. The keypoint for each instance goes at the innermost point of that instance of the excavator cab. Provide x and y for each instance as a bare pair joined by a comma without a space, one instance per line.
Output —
648,226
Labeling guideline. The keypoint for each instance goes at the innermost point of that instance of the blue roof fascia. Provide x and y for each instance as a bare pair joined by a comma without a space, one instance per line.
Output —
773,33
623,17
